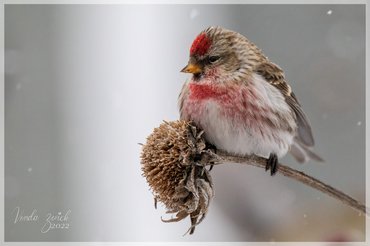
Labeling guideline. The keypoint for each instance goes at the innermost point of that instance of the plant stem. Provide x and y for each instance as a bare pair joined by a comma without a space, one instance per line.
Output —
222,157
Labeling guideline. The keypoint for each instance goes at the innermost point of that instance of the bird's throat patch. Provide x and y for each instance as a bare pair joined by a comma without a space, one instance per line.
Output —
205,91
200,45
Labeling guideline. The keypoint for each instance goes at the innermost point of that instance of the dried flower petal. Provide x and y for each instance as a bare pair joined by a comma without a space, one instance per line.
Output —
170,161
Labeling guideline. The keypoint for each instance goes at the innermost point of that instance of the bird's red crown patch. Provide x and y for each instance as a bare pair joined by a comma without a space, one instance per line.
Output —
200,45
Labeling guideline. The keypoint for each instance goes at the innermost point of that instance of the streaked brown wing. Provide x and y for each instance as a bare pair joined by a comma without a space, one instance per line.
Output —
275,76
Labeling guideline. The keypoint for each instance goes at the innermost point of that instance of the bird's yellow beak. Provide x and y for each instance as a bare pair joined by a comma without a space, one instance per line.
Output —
192,68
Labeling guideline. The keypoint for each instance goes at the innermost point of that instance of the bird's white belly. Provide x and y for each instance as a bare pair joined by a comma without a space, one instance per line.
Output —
240,138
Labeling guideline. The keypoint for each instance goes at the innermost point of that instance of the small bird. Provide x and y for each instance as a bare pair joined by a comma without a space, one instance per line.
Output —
242,100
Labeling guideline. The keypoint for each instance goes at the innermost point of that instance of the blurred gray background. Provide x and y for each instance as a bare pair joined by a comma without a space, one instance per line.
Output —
84,84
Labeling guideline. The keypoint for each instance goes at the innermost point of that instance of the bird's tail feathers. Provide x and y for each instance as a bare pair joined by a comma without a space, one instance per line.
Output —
303,153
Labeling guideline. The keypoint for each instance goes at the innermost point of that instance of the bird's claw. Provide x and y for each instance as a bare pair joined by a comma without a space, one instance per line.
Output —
272,163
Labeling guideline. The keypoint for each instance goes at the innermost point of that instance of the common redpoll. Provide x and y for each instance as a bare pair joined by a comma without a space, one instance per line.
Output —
242,101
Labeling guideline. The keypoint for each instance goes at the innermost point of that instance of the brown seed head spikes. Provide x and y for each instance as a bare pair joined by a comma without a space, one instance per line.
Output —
170,161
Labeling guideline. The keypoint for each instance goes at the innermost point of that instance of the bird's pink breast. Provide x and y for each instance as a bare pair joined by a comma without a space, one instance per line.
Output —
238,118
234,101
208,91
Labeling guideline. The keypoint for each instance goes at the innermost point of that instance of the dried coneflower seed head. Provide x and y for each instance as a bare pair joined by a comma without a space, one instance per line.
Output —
171,163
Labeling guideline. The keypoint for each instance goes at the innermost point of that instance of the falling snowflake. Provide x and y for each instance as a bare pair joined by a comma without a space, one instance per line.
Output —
193,14
329,12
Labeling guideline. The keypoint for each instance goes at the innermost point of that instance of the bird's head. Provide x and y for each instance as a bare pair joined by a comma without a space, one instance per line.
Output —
221,55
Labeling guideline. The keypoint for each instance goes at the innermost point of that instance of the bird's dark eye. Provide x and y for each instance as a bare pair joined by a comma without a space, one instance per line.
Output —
213,59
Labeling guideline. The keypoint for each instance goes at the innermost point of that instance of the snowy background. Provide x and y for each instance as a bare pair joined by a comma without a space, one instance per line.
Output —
85,84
